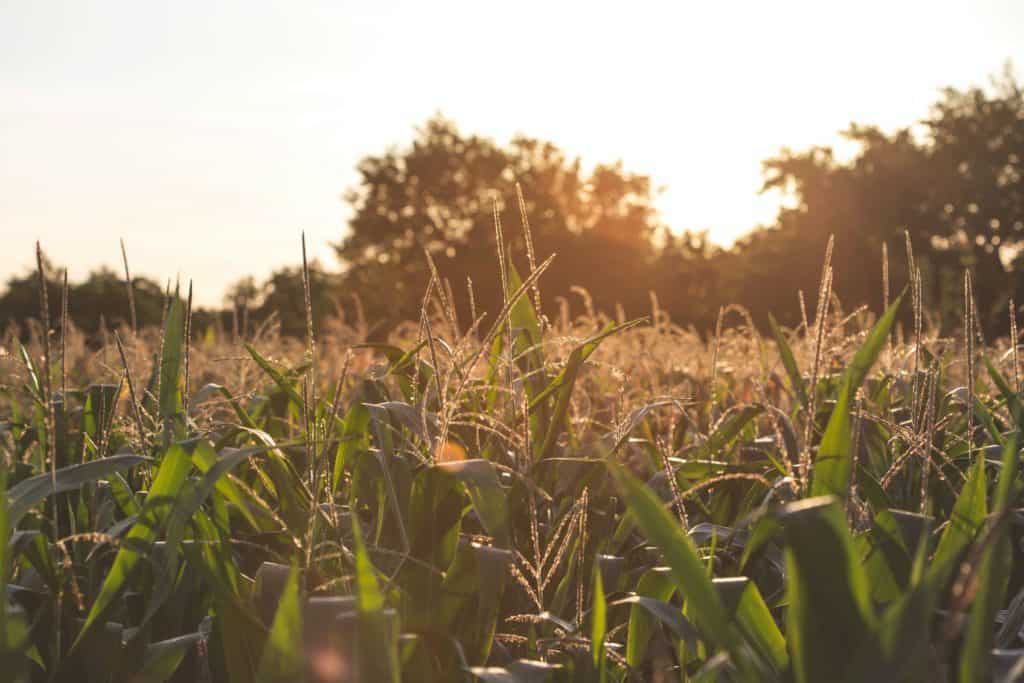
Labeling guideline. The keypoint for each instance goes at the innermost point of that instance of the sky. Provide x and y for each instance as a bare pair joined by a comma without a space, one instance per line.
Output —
210,135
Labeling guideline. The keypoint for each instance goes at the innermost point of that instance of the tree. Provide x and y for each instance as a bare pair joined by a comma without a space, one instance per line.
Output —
977,203
438,195
101,297
954,183
689,276
283,295
104,293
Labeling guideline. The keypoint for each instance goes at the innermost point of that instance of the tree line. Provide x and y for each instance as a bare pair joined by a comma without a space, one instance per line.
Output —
953,182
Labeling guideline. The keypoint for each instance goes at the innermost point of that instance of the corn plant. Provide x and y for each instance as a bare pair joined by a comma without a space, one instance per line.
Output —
519,499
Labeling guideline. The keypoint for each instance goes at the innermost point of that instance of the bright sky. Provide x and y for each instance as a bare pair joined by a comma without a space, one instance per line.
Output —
209,134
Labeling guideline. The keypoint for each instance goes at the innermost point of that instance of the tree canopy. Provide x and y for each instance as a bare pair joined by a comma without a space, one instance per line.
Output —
439,196
953,182
101,298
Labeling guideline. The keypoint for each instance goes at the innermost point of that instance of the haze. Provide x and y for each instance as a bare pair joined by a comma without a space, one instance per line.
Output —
209,135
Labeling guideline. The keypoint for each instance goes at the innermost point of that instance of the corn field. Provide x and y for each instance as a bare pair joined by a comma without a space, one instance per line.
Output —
514,498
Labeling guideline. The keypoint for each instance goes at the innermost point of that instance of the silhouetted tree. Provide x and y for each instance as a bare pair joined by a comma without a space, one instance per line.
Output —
282,296
437,195
101,297
688,277
954,182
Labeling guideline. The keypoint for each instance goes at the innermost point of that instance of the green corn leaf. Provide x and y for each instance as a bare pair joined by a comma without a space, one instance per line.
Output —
564,383
764,530
889,562
653,585
206,461
562,387
727,429
653,591
965,521
829,614
649,609
493,376
435,511
4,542
480,479
35,384
28,493
162,659
751,614
1008,394
13,630
354,437
993,573
186,504
243,416
834,461
404,365
100,403
789,362
900,650
123,495
985,415
174,468
598,625
283,479
282,660
368,594
528,354
524,318
170,361
572,369
280,380
704,605
377,639
236,625
586,349
478,575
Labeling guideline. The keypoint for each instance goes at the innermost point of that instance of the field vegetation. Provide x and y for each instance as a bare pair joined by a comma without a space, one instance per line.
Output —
515,496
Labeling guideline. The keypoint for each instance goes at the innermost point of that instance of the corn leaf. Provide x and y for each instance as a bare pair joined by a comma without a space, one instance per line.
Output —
174,468
282,660
834,460
829,613
28,493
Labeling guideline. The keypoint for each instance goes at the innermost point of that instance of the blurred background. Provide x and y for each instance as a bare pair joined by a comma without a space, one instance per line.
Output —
704,152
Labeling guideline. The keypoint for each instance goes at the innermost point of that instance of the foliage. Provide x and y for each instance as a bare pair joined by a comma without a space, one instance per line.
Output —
529,500
101,298
537,495
953,181
438,195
